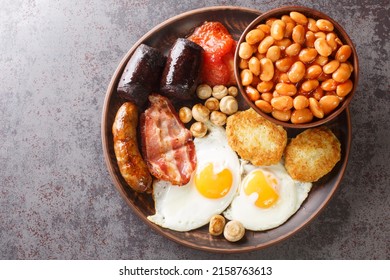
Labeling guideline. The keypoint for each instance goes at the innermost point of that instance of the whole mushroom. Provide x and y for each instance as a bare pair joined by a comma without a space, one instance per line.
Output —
198,129
218,118
217,224
234,231
200,113
228,105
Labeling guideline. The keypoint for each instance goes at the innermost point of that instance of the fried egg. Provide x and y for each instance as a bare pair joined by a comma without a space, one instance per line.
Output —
210,191
268,196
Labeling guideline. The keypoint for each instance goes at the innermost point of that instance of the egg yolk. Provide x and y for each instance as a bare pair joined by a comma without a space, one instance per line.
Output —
264,186
213,185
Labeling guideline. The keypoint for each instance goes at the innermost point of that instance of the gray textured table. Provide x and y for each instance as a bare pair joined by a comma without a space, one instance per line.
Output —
57,200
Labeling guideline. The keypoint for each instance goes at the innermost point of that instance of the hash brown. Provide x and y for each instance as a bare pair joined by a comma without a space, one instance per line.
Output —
256,139
312,154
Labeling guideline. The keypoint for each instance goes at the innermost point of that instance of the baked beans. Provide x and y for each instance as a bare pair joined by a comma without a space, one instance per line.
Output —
295,68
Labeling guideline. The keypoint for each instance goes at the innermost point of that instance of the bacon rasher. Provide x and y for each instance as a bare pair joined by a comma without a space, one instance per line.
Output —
167,145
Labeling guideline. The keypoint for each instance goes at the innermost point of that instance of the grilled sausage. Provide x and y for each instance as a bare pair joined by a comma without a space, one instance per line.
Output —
182,70
142,75
131,164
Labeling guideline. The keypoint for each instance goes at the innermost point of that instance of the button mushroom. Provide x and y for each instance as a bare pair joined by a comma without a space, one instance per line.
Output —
200,112
218,118
217,224
198,129
219,91
234,231
203,91
228,105
233,91
212,104
185,114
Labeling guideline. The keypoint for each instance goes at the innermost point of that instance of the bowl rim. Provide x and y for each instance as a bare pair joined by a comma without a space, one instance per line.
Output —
339,30
114,177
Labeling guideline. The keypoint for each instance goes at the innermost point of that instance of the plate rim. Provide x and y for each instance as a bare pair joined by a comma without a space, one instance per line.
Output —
118,186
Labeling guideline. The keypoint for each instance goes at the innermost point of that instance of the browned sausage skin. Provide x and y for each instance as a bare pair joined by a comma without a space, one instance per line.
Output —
131,164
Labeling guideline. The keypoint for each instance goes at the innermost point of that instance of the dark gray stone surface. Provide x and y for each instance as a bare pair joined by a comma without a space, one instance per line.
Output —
57,200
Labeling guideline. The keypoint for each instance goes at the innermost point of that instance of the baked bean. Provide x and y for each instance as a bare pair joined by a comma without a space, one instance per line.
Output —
322,47
254,65
321,60
329,85
324,77
298,18
289,29
331,40
255,81
278,28
273,53
243,64
246,77
331,66
343,53
296,72
328,103
254,36
298,34
344,88
252,93
287,19
270,21
315,108
267,69
310,85
284,64
307,55
283,78
293,49
259,55
350,65
265,86
282,103
286,89
318,93
324,25
300,102
332,92
264,106
320,34
265,28
313,71
275,94
265,44
245,51
283,116
342,73
309,39
302,116
312,68
267,96
311,25
283,44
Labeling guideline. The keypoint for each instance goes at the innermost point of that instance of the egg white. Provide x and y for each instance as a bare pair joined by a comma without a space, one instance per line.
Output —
291,195
183,208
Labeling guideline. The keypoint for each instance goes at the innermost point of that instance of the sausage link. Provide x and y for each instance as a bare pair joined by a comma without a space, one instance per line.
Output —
131,164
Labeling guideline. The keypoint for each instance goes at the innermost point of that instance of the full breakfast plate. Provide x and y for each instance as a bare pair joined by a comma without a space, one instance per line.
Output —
235,19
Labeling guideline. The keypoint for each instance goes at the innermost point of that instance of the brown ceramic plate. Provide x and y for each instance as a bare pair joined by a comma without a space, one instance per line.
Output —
162,36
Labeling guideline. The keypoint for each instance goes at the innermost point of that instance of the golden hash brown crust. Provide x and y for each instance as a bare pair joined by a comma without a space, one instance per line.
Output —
256,139
312,154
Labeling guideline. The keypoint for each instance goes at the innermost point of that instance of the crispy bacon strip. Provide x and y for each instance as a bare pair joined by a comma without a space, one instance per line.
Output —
167,145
